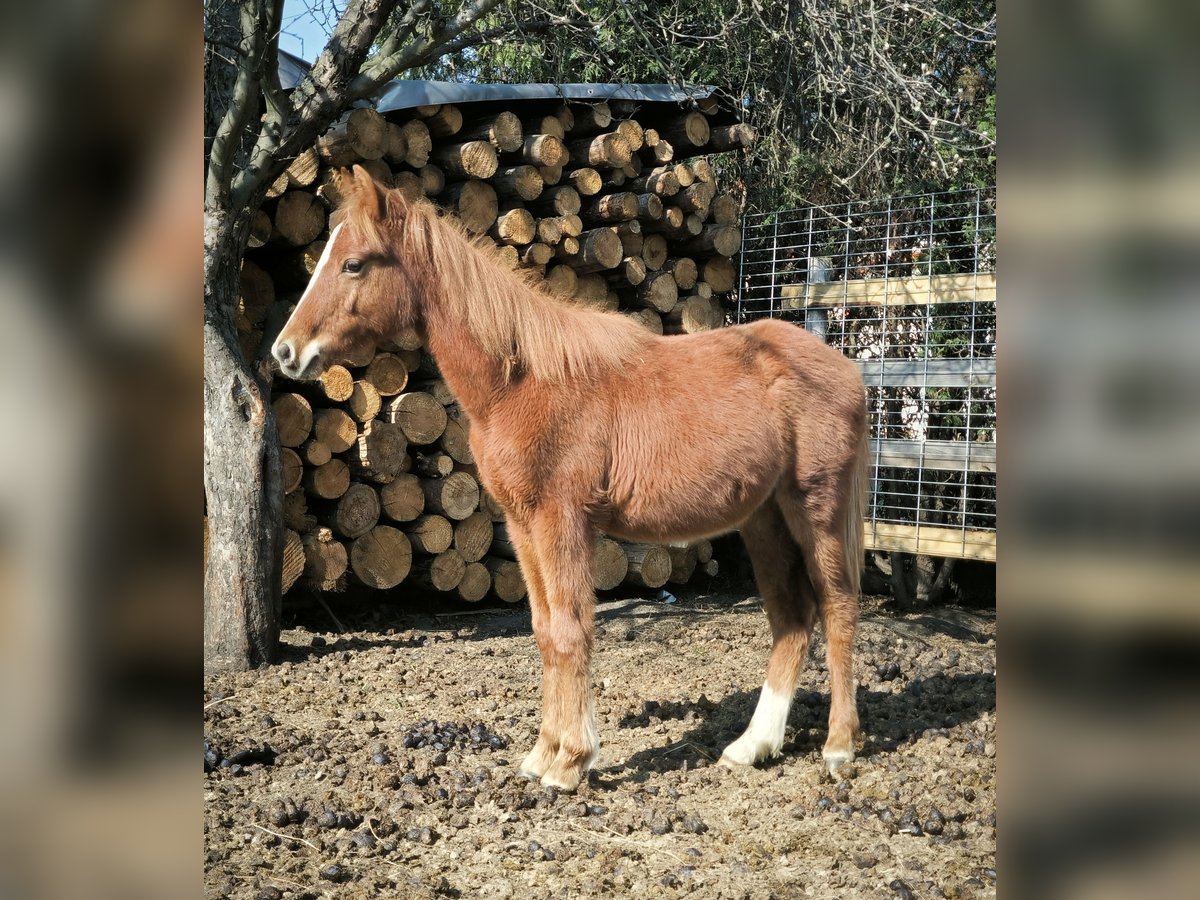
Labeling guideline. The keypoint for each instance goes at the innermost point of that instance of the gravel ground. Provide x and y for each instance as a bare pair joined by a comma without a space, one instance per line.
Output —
381,762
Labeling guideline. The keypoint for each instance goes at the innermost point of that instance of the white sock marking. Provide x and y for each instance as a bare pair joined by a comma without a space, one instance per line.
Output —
763,737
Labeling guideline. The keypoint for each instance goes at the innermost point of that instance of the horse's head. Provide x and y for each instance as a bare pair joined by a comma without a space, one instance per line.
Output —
361,292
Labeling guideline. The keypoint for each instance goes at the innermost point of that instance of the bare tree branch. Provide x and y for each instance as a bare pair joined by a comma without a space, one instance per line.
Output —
277,107
403,31
319,96
342,59
526,28
383,69
245,97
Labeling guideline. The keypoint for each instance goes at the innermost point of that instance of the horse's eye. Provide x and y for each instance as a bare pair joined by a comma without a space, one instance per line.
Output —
353,266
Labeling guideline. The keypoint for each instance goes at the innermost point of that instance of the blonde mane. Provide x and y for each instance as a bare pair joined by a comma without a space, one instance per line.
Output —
515,320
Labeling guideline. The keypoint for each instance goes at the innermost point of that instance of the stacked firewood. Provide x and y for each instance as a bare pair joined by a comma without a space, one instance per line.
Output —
615,212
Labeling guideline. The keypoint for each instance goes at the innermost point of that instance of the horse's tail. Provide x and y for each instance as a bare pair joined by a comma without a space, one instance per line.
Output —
856,511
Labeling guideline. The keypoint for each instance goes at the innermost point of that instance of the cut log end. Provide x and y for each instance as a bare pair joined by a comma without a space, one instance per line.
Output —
402,499
649,565
381,558
293,559
456,496
293,418
609,565
325,559
430,533
475,583
473,536
439,573
418,414
508,584
356,511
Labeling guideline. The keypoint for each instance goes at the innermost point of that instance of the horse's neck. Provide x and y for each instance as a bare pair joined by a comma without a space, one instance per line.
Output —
473,376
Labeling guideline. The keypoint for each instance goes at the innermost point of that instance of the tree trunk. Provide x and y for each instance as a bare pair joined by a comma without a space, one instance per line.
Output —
242,478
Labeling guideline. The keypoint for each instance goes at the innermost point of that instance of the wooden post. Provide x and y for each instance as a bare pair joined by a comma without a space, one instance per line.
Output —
816,318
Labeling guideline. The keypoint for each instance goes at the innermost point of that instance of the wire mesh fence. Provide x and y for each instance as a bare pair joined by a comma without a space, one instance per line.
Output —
906,287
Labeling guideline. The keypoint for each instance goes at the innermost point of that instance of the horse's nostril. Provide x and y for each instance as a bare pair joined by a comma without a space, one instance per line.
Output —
284,352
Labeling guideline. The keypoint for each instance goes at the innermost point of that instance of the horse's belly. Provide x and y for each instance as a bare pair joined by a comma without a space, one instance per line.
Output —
657,532
678,507
673,479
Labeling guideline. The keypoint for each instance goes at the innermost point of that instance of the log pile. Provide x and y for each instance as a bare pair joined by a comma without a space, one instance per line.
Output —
617,207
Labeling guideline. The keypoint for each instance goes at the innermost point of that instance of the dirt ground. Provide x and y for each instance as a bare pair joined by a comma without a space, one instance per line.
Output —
381,762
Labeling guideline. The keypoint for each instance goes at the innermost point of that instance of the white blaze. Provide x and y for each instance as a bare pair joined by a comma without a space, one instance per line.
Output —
303,355
321,263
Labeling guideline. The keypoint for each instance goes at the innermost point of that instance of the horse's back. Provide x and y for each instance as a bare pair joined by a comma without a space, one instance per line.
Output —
805,349
792,364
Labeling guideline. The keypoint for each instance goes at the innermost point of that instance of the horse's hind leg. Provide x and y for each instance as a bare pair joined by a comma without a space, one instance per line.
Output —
819,528
562,545
779,571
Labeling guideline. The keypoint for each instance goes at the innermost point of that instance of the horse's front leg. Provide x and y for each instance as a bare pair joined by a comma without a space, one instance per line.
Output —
557,561
541,757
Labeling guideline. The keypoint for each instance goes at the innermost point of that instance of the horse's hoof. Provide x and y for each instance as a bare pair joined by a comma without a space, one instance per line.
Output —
836,759
534,765
565,780
748,750
528,776
733,764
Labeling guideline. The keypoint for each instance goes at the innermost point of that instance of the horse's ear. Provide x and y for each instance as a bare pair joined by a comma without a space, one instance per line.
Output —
370,193
396,205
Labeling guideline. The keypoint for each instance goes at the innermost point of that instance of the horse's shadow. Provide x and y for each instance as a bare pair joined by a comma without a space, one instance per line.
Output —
888,719
403,629
426,620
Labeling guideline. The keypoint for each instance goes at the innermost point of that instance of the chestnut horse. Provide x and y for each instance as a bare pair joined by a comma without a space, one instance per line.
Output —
584,421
